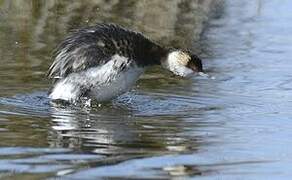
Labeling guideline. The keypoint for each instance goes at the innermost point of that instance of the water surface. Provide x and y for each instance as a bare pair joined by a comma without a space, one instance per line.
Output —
236,126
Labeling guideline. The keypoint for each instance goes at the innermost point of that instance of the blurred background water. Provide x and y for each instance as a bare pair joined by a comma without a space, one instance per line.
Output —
237,126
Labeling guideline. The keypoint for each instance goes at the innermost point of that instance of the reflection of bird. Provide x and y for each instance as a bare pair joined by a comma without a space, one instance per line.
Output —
105,60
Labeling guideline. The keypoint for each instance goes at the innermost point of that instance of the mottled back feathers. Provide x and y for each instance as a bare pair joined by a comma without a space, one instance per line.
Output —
94,46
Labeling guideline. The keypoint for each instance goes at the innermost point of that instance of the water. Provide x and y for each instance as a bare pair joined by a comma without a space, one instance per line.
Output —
236,126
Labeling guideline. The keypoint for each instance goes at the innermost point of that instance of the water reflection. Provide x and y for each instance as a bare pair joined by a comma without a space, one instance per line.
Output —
130,133
134,133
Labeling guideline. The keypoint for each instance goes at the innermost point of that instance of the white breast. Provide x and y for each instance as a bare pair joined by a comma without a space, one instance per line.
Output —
122,83
103,83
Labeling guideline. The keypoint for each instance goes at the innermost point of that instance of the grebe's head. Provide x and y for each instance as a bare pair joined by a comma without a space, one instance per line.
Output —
182,63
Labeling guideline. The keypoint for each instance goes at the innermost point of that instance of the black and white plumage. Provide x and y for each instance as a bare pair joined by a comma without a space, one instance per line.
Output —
104,61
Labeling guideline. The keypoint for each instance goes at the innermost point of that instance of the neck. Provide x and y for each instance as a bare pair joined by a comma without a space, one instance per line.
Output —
153,54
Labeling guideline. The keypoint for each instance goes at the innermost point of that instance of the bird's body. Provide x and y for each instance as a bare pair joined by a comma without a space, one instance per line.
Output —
104,61
103,82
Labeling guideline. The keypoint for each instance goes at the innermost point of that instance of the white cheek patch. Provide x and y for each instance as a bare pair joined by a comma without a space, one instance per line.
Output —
175,62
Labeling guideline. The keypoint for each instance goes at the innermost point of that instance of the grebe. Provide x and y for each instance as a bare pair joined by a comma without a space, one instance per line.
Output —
104,61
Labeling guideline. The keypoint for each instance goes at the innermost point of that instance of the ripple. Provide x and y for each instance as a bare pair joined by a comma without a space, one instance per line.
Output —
30,104
42,160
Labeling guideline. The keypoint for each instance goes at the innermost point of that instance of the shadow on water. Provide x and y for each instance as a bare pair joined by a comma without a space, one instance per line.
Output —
235,126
